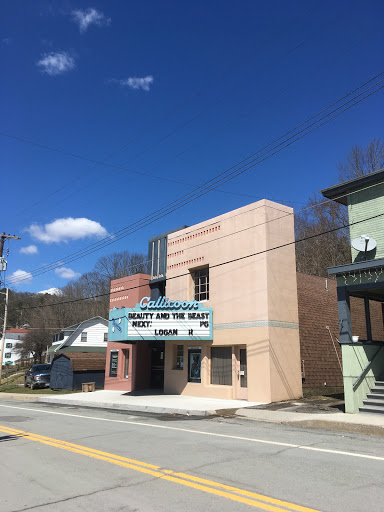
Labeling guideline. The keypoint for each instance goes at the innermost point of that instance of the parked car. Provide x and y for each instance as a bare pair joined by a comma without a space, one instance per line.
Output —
38,376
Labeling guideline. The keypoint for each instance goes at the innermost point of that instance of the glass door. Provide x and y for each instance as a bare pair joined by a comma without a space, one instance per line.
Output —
241,373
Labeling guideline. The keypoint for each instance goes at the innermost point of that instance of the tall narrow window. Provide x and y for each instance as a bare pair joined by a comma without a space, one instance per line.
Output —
83,336
105,336
113,364
201,284
179,357
221,366
153,258
126,364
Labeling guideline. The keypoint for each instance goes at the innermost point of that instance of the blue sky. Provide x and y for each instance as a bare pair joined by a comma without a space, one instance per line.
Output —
190,88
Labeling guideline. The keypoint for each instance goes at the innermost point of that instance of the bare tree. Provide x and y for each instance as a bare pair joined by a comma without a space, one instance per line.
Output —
55,312
120,264
315,255
362,161
35,342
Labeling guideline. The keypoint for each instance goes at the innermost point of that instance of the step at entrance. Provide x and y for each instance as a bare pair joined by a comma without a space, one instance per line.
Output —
374,403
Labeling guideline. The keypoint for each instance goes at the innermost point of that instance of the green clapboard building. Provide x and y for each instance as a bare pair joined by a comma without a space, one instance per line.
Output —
363,356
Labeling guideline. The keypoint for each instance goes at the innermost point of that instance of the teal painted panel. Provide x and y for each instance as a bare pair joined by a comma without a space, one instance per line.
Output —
138,324
356,358
256,323
369,276
118,325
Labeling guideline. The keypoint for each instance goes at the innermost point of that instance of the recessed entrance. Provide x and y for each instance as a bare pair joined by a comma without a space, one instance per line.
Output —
157,365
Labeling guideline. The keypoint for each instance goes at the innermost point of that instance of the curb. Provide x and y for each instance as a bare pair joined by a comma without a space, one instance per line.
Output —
127,408
20,397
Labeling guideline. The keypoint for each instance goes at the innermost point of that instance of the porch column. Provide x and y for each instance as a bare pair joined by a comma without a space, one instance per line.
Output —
368,319
345,324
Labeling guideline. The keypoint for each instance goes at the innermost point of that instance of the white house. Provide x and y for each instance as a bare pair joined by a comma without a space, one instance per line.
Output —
13,337
88,336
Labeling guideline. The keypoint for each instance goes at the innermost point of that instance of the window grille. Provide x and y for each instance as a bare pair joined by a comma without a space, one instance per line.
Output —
201,284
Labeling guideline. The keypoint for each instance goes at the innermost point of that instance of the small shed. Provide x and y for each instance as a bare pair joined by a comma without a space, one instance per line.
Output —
70,371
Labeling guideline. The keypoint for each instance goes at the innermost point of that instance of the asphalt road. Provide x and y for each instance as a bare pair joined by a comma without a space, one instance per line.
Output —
72,459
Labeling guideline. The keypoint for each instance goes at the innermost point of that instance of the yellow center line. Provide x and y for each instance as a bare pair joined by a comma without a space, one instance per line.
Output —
241,495
84,448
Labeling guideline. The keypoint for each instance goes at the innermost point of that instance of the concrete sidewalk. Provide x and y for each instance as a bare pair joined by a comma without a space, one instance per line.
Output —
150,403
360,423
288,413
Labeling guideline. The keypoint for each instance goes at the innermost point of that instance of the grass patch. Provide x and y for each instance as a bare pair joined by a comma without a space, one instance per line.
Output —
15,384
324,392
14,379
11,388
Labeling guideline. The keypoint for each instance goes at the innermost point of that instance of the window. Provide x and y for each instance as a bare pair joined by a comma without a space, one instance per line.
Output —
83,336
179,363
221,366
8,355
8,345
61,336
126,364
113,364
105,336
201,284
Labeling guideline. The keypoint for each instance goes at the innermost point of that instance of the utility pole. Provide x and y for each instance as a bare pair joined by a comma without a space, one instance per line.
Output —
3,238
3,263
4,330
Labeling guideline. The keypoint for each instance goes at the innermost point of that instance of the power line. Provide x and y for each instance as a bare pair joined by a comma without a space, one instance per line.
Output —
197,93
238,86
294,242
177,129
199,191
120,167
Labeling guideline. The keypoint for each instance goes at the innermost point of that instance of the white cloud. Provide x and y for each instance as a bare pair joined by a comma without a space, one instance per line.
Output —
20,276
86,17
63,230
30,249
66,273
56,63
52,291
137,83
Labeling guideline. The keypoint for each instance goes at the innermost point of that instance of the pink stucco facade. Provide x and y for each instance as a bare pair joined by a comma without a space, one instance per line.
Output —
253,293
250,257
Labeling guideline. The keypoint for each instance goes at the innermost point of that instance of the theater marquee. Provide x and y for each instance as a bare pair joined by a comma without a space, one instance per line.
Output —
163,319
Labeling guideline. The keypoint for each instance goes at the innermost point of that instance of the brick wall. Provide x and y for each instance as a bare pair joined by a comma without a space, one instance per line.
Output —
317,309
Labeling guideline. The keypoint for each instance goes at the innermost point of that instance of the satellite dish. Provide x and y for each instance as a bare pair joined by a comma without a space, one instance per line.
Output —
364,243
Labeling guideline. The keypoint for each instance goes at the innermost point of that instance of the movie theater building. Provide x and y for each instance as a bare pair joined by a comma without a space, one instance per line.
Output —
218,316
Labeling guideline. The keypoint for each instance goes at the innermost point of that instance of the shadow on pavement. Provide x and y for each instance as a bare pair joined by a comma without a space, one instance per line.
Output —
8,438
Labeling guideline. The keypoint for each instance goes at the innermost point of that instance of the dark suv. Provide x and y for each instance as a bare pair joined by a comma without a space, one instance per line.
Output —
38,376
